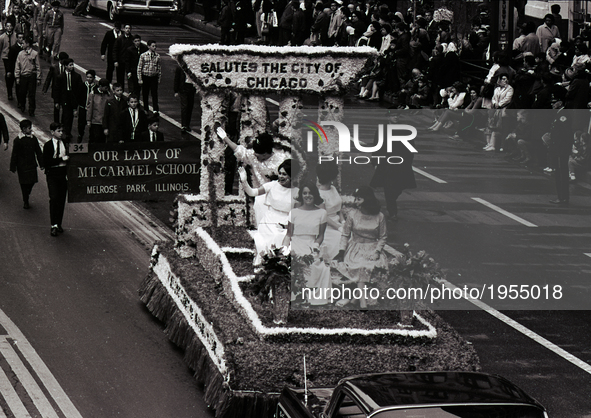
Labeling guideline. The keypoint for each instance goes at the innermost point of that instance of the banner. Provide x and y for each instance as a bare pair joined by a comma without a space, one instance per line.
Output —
132,171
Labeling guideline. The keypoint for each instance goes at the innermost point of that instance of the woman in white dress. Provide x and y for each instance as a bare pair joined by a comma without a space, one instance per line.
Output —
264,160
279,200
305,233
326,173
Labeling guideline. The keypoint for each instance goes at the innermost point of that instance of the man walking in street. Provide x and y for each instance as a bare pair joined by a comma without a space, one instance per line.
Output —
133,121
132,59
54,29
184,89
26,157
149,72
89,85
69,88
112,115
51,81
27,73
119,49
55,161
107,49
7,39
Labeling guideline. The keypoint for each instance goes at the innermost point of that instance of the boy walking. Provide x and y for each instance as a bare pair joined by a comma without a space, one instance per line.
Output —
149,72
55,160
26,157
27,73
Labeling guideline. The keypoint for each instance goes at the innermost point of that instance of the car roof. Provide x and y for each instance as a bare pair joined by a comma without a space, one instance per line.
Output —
423,388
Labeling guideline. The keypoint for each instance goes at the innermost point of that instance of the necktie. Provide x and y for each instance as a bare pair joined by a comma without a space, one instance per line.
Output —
57,148
69,82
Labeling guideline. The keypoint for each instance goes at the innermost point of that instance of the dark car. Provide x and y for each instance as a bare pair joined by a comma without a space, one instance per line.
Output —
413,395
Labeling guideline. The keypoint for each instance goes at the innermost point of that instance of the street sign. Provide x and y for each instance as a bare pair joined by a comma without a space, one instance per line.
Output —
132,171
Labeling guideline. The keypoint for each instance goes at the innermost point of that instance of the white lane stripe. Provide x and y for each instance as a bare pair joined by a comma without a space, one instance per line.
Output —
275,102
48,380
429,176
27,380
10,396
106,25
525,331
587,254
504,212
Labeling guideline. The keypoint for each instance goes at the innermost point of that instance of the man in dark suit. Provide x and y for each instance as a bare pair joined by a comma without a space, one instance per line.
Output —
54,71
132,58
55,160
133,120
152,134
69,90
13,52
121,44
184,89
112,115
107,47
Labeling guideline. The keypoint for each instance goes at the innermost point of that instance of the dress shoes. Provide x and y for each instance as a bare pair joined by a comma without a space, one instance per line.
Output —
60,229
26,205
54,231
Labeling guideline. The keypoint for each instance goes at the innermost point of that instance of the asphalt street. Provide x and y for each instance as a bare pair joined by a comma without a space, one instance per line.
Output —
485,220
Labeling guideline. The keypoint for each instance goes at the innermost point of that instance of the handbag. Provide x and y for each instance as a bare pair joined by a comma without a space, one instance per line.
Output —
265,28
274,20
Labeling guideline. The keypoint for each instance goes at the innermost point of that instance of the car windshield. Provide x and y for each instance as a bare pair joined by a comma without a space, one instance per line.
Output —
464,411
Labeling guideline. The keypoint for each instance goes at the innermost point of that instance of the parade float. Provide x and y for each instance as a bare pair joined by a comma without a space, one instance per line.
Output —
200,285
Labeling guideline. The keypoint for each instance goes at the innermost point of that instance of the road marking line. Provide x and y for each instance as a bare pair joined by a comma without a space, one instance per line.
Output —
504,212
587,254
43,372
15,404
27,380
525,331
429,176
106,25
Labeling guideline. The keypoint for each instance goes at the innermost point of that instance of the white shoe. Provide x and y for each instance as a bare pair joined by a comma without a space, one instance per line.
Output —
490,149
548,170
572,177
486,147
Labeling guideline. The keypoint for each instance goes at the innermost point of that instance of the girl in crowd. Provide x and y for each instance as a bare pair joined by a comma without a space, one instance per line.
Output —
279,196
455,96
305,233
501,99
264,160
362,242
326,173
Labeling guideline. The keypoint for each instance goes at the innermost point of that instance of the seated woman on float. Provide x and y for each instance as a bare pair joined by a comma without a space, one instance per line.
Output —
264,160
305,234
279,198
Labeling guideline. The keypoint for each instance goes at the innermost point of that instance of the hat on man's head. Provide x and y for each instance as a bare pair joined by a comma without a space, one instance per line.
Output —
63,56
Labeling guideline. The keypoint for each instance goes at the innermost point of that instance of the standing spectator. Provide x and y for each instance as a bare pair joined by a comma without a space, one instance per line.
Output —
38,29
402,51
184,89
528,41
394,178
299,29
149,72
55,71
89,85
95,111
12,56
55,161
152,134
132,58
27,74
107,46
26,157
225,21
7,40
68,89
560,141
54,28
133,120
243,19
3,131
337,19
119,50
112,114
319,29
580,155
547,32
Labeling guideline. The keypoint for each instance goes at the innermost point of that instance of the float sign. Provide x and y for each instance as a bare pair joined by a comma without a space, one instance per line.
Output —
132,171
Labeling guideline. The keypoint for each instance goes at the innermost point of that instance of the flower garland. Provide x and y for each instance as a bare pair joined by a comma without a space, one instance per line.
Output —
214,260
